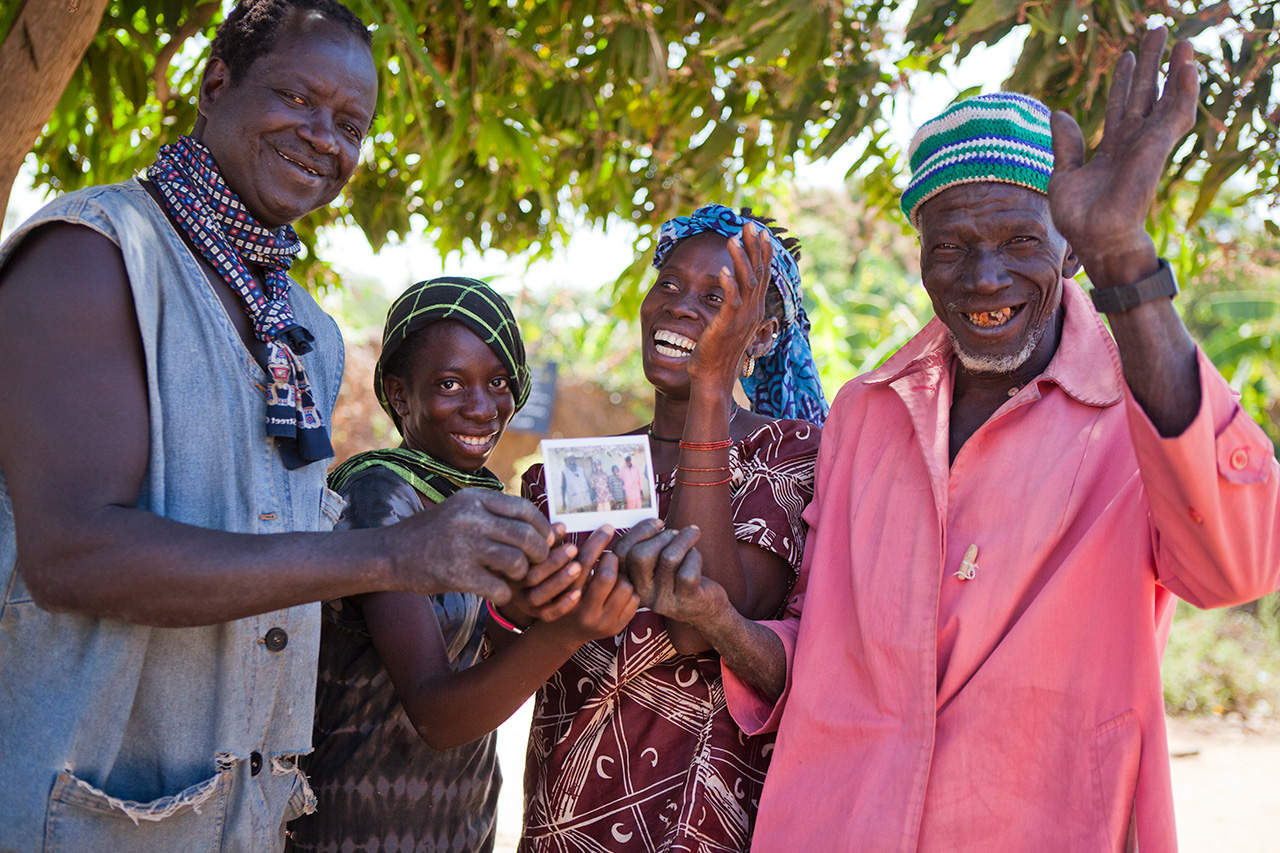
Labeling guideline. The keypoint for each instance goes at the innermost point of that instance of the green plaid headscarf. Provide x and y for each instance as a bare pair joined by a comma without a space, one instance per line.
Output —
472,303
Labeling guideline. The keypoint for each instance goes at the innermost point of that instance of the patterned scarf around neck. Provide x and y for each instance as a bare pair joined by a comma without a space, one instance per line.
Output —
433,478
228,236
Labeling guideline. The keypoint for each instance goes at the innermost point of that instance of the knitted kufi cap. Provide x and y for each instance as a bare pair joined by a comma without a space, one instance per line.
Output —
1002,137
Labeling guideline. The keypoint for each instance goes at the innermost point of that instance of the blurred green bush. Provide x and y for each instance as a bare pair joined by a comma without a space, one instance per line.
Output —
1224,661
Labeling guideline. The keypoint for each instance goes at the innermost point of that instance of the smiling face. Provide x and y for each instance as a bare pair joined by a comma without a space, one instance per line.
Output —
287,136
455,398
993,263
680,305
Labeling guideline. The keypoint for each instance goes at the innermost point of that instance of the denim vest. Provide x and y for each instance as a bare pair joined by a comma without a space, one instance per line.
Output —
119,737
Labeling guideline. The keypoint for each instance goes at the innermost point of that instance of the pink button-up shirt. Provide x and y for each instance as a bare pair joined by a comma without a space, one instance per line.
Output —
1019,709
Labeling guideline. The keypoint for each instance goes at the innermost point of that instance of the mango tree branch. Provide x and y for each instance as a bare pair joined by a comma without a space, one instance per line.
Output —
44,45
200,17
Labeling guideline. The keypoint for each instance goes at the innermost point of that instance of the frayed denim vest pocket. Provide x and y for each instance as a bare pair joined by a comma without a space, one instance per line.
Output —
301,799
83,818
331,506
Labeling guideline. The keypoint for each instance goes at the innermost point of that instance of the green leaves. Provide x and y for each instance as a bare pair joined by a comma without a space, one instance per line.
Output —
1231,303
637,112
501,123
984,15
109,121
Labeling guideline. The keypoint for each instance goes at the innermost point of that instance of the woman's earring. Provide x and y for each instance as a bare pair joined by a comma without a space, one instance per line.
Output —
748,366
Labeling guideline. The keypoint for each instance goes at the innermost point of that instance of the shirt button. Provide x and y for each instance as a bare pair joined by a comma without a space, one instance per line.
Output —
1239,458
255,763
276,639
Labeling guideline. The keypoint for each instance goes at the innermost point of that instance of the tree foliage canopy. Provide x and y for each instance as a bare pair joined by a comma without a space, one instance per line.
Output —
501,122
1071,48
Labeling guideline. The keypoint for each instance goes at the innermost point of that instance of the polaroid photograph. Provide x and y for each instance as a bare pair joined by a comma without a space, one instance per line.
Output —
595,481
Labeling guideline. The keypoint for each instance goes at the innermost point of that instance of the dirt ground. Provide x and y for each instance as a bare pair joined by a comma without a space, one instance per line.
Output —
1227,794
1226,784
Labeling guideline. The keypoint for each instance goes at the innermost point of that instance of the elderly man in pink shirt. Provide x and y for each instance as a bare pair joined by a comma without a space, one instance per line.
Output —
1004,512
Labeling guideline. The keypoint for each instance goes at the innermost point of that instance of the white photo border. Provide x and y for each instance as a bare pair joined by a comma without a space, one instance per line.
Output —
555,455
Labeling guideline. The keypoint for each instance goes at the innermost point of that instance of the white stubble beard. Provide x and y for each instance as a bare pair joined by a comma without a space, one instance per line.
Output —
996,364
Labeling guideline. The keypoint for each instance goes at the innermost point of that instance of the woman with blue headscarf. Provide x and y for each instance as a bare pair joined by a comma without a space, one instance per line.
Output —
632,746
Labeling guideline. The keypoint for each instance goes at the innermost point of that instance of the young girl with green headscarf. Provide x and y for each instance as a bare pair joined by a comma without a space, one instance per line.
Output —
406,707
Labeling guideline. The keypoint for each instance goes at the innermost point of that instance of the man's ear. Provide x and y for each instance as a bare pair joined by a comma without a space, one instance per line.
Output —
395,390
1070,263
763,341
213,83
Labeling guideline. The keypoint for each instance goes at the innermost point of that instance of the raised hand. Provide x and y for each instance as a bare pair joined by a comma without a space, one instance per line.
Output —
475,541
1101,206
719,352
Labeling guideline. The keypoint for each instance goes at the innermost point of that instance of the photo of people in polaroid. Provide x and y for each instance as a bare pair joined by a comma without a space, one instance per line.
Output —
595,481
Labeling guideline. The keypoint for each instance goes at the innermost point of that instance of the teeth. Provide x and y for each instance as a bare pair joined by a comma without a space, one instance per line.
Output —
303,166
474,441
679,345
991,319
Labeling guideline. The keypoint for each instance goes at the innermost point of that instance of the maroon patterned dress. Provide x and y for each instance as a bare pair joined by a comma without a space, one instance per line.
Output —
632,747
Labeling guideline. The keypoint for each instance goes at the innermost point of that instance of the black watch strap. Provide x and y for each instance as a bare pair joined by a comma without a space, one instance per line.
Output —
1113,300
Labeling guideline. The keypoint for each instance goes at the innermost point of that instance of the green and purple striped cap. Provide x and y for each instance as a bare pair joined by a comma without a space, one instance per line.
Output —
1002,137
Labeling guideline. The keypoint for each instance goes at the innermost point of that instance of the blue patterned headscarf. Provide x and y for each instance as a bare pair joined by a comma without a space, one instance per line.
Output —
785,383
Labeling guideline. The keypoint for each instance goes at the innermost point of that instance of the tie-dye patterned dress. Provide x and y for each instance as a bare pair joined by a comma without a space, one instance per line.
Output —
379,787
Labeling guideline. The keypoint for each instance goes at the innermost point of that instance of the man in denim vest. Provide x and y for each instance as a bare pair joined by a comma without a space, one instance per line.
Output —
165,391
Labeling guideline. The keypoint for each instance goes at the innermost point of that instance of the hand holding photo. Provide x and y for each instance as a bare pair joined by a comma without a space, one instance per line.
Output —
595,481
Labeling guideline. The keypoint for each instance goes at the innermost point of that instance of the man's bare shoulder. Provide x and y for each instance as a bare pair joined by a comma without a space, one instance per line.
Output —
67,270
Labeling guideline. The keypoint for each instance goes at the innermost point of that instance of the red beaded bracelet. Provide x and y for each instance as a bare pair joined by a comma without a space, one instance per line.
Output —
716,483
502,621
706,445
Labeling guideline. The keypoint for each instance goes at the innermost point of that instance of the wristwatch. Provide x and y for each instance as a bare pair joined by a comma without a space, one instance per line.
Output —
1113,300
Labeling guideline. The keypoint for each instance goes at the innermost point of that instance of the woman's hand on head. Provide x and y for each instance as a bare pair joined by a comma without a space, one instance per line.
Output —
737,325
